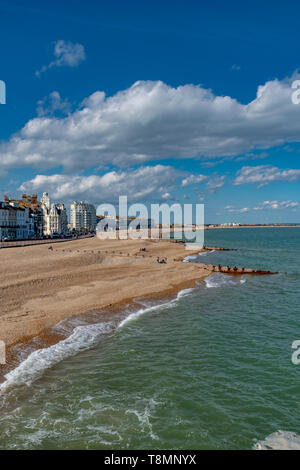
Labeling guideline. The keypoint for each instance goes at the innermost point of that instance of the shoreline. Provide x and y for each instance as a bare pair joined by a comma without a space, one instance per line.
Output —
18,353
119,278
34,329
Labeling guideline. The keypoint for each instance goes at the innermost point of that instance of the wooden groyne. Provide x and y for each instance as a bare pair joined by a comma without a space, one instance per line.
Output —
227,269
217,248
207,248
237,271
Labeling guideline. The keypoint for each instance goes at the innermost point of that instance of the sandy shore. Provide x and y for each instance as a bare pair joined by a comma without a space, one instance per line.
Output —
40,287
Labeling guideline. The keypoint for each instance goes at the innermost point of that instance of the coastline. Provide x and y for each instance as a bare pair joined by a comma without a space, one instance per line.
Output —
81,278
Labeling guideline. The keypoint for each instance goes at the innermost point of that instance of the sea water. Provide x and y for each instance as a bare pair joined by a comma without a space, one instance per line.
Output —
208,369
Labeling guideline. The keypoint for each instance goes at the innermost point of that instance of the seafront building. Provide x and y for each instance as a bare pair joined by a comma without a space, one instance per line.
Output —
30,218
45,201
83,217
34,208
55,217
15,222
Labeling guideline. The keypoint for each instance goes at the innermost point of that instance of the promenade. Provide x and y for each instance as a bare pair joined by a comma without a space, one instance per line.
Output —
23,243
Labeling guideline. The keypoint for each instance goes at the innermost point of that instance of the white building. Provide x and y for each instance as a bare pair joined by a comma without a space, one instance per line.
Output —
25,224
45,201
83,216
58,219
55,217
15,222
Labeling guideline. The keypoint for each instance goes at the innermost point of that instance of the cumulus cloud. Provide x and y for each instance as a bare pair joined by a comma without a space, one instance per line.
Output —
264,174
242,210
266,205
153,121
145,183
216,182
65,53
274,205
193,179
52,104
213,182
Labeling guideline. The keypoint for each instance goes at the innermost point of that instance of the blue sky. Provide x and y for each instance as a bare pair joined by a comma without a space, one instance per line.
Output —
130,97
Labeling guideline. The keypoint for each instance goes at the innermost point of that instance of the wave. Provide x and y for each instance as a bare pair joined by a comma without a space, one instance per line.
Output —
187,259
192,258
280,440
147,309
144,418
82,338
222,280
204,253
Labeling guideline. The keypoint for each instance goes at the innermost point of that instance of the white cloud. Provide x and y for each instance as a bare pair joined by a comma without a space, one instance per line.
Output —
65,53
277,205
145,183
51,104
193,179
266,205
243,210
216,182
252,156
264,174
153,121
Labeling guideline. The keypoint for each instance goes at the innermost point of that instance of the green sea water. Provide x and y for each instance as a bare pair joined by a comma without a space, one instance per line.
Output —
210,369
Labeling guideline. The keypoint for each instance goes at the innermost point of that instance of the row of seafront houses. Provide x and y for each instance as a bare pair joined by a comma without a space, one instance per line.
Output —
30,218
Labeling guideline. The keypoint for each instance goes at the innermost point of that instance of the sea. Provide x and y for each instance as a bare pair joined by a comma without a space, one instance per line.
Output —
210,368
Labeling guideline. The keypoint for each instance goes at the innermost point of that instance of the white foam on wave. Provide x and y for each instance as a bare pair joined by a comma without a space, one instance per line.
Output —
208,252
82,338
183,293
191,258
222,280
142,311
144,420
280,440
187,259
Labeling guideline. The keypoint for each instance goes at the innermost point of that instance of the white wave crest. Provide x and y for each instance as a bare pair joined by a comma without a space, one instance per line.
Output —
280,440
187,259
222,280
142,311
82,338
192,258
